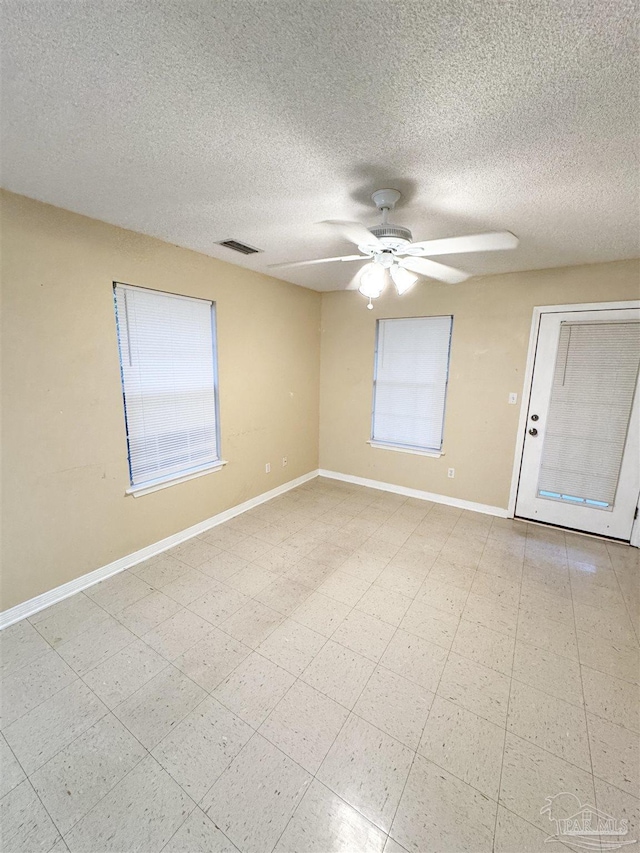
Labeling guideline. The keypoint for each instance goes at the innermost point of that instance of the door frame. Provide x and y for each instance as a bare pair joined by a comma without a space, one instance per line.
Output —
525,396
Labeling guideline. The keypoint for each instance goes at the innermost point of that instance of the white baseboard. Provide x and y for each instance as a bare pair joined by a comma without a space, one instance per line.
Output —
53,596
416,493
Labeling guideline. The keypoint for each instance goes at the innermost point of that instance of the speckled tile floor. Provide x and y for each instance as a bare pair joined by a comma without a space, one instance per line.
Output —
340,669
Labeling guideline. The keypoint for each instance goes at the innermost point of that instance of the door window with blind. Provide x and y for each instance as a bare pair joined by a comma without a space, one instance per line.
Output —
169,380
591,400
410,383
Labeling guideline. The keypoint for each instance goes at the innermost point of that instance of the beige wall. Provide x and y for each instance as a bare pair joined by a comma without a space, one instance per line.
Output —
491,327
64,464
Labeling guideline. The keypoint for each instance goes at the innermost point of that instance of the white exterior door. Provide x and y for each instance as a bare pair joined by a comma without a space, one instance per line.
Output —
581,459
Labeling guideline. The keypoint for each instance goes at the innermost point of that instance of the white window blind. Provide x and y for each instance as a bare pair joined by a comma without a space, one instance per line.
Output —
410,384
591,398
167,358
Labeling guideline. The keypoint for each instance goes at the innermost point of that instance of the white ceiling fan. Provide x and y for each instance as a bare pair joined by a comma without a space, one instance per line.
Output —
389,248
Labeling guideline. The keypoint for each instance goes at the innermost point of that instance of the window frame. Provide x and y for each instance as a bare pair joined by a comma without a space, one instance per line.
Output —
164,481
395,446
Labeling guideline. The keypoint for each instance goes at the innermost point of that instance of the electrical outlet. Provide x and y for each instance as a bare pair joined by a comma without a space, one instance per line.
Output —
451,473
285,461
267,468
513,398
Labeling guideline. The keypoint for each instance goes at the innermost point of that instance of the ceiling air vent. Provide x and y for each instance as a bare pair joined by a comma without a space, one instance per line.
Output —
237,246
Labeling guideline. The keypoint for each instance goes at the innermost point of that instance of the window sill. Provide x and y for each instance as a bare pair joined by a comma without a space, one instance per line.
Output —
174,479
436,454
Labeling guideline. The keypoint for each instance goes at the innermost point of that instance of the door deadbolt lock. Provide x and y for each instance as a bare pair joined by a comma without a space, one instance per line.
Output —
533,431
535,418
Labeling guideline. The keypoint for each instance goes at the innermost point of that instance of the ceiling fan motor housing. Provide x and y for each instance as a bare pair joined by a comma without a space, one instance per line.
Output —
392,236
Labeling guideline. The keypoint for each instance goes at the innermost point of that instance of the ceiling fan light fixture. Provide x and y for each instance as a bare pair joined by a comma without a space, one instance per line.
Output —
403,279
384,259
372,281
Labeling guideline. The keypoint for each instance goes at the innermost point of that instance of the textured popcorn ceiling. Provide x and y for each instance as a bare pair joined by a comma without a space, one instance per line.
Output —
255,119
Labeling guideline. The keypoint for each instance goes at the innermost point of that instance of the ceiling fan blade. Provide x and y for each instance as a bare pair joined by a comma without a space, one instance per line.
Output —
431,269
320,261
355,232
458,245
